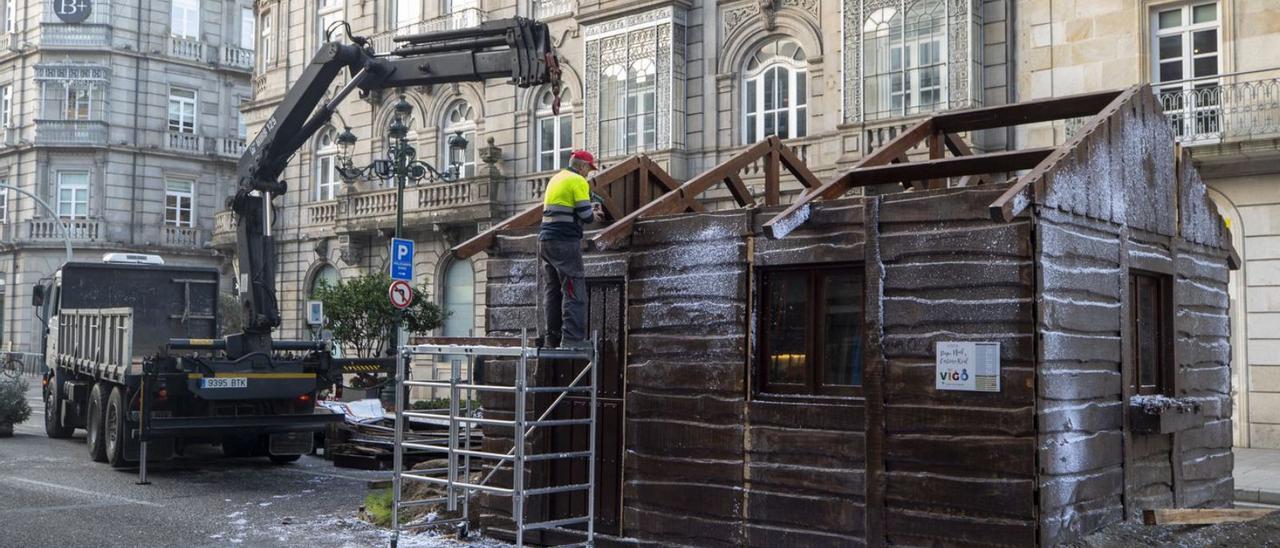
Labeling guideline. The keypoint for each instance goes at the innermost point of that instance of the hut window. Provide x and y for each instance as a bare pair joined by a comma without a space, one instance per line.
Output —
811,331
1150,310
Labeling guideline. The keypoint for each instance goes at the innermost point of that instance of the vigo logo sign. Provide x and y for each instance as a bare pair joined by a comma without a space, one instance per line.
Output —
72,11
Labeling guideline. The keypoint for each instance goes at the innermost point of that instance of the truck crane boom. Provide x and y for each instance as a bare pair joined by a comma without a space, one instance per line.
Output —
517,48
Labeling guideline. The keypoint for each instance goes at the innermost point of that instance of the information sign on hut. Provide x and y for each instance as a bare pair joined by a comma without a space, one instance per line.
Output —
969,366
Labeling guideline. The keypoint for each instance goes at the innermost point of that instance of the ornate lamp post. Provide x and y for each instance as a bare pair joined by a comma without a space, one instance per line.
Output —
401,165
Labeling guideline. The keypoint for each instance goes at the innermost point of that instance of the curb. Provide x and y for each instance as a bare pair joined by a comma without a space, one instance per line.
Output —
1260,496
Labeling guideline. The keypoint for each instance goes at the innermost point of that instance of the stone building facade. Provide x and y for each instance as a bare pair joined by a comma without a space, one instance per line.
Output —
1220,88
688,84
122,116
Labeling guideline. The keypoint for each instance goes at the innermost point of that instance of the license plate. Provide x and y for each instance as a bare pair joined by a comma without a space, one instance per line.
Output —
224,382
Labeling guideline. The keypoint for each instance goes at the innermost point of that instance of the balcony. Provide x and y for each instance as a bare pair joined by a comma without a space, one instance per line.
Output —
225,147
182,236
186,48
60,35
459,202
48,230
236,58
1240,107
187,143
224,229
71,133
461,19
547,9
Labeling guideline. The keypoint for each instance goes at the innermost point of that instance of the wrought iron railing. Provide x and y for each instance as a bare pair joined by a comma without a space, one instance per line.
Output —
460,19
71,132
1233,108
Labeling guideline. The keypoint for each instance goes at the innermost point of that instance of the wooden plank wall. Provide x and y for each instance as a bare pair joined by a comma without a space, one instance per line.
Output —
1203,344
805,479
685,401
959,467
1118,202
1081,445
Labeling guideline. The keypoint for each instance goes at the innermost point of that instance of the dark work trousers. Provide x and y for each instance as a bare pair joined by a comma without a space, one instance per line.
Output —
564,291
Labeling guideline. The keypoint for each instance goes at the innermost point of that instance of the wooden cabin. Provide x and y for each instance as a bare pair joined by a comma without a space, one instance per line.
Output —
970,362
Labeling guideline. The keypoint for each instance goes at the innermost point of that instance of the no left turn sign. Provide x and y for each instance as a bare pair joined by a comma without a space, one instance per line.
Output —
401,294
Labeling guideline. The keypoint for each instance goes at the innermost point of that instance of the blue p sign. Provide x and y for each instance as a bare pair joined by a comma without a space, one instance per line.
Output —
402,259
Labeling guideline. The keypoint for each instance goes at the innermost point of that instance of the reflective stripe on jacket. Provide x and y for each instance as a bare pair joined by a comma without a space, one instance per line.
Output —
566,207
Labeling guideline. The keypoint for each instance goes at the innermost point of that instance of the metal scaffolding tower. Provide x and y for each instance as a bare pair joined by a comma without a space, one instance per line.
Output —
461,418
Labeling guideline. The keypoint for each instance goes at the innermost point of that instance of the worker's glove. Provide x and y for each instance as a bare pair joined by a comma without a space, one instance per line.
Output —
597,212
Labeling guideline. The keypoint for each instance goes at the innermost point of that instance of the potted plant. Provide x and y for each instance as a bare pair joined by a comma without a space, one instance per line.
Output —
13,406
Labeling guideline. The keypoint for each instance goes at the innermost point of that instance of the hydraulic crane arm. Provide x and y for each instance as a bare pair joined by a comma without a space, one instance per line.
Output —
518,49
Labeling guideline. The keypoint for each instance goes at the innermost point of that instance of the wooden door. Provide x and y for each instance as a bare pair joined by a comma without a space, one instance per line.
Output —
606,314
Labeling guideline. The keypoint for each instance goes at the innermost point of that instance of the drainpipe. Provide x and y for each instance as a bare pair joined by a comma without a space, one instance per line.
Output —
1011,68
133,172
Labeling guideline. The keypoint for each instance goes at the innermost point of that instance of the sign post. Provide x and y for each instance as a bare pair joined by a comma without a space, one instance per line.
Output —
402,259
401,294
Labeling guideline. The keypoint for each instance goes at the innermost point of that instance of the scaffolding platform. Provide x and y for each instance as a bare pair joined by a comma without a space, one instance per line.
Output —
455,477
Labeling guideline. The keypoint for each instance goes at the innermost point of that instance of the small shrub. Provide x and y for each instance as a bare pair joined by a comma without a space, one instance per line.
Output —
377,507
14,408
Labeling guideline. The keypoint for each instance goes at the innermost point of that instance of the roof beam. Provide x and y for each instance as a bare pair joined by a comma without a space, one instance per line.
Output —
1022,192
977,164
896,147
675,201
1039,110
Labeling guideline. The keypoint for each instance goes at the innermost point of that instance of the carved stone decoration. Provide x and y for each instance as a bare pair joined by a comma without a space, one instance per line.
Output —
767,10
322,248
491,155
347,250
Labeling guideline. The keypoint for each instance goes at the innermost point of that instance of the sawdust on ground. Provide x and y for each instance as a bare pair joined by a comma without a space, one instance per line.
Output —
1262,532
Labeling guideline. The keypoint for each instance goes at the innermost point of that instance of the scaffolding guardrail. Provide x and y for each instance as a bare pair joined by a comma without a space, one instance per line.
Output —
456,476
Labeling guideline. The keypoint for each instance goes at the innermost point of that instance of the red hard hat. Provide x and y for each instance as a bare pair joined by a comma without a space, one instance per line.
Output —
584,156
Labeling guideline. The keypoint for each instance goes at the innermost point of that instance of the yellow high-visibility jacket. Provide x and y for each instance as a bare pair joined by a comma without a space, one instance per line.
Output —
566,207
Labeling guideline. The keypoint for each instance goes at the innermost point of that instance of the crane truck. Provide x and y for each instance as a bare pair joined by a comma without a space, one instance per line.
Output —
130,344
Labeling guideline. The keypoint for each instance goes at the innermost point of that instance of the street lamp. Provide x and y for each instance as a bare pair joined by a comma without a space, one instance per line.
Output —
401,165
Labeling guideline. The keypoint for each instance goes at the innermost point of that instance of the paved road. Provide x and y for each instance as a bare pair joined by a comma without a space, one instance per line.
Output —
52,494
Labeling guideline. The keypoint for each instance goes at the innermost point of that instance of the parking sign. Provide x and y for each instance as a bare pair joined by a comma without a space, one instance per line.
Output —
402,259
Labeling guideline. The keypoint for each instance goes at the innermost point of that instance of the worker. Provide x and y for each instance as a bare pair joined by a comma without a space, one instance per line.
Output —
565,209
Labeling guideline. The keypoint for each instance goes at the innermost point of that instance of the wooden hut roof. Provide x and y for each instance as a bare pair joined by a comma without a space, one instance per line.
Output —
1112,117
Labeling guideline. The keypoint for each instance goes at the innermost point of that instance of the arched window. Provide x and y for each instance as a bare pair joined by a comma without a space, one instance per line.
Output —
459,297
459,119
905,57
776,92
628,108
327,275
554,133
327,179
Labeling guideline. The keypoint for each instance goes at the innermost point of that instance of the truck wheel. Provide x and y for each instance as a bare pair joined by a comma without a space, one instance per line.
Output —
53,397
283,459
115,428
96,442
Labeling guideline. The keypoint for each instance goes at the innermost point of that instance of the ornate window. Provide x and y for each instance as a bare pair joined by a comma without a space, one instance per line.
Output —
327,179
1185,41
71,91
553,133
635,82
326,275
775,92
905,57
459,120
